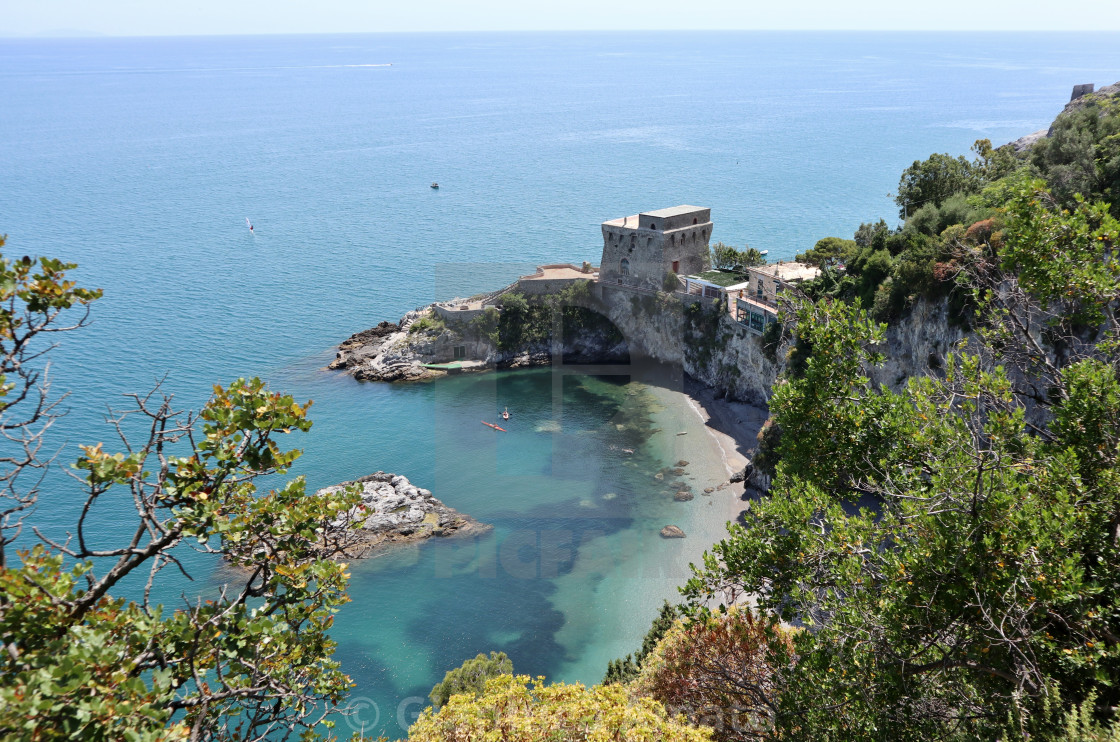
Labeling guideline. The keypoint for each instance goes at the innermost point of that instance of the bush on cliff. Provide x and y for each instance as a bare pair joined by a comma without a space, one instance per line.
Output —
718,671
1082,154
519,709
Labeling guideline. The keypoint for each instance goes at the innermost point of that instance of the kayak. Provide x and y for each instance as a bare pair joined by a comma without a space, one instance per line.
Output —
495,427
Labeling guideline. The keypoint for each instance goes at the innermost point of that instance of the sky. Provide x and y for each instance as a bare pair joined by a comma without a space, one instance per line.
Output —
207,17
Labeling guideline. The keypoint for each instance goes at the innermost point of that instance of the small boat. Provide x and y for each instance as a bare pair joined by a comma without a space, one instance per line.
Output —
495,427
763,252
505,415
435,186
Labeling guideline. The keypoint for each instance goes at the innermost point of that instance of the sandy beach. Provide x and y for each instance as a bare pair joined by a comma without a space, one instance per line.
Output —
732,425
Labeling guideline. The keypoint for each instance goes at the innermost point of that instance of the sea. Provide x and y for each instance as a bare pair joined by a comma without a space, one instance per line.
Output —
140,159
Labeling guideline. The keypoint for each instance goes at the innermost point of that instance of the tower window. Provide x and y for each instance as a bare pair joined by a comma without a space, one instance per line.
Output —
624,267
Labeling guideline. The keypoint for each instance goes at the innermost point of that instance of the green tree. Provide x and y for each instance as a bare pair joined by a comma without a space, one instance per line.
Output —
723,257
79,660
872,234
749,257
470,677
829,251
935,179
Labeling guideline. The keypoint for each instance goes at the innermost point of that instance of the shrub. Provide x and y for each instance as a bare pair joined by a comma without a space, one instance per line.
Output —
428,322
829,251
470,677
716,671
518,709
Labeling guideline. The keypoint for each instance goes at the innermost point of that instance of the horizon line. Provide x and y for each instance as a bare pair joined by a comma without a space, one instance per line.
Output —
84,34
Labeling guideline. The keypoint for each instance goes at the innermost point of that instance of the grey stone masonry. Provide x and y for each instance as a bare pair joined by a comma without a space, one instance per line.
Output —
641,250
1080,90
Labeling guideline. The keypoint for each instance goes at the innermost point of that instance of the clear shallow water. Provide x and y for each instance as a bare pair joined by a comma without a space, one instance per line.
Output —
140,158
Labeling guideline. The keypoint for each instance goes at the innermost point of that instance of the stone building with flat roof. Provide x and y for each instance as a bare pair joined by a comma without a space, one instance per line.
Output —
641,250
765,281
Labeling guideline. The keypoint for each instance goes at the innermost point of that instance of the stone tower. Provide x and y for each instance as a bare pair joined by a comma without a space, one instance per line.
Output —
641,250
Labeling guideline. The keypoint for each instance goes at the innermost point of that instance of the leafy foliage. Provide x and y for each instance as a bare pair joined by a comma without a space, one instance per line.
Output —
517,709
829,251
717,672
470,677
933,180
431,322
726,257
1082,153
953,548
81,662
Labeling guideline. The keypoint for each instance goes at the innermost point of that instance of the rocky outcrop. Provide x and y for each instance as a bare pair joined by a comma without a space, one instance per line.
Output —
672,532
385,352
1022,144
400,352
1081,97
395,512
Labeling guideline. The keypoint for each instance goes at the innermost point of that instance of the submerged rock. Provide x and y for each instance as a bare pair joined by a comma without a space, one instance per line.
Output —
672,532
683,496
682,462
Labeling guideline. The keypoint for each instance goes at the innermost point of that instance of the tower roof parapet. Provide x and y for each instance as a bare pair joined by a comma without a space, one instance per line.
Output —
665,220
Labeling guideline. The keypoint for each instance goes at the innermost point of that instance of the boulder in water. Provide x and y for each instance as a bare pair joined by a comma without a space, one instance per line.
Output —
672,532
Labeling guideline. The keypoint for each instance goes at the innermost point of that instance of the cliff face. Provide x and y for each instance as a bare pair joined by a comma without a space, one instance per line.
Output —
917,344
698,337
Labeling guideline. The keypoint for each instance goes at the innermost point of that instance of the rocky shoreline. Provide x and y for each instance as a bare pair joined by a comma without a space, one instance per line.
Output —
396,512
382,353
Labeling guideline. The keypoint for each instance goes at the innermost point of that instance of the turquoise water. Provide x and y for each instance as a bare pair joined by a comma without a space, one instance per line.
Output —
140,159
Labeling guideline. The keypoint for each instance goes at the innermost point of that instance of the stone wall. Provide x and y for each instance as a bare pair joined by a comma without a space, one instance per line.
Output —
651,253
456,314
547,286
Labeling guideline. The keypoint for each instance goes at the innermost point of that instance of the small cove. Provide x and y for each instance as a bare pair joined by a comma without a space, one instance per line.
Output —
575,568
